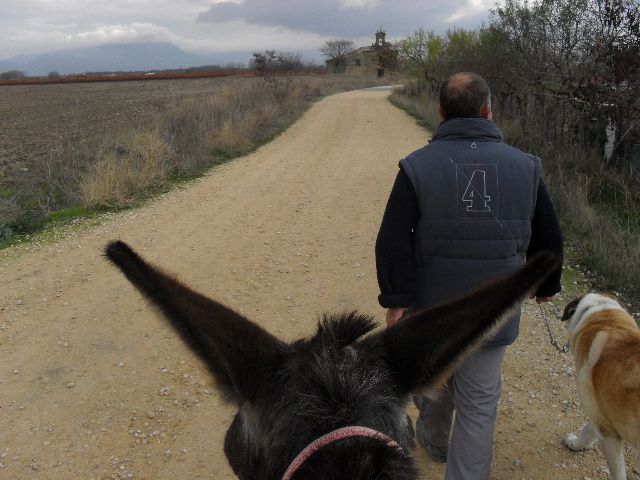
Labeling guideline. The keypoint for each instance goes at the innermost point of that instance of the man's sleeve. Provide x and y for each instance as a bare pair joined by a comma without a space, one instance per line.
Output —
546,235
396,267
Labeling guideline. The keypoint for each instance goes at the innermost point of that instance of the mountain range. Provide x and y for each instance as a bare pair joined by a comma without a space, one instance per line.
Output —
117,58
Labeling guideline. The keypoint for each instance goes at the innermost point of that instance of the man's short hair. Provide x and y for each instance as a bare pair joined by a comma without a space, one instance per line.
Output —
464,97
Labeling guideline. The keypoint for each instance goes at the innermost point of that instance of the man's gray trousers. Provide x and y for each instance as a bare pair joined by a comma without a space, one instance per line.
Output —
473,392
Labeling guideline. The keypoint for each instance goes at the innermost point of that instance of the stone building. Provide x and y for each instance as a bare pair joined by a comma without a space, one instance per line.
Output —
379,59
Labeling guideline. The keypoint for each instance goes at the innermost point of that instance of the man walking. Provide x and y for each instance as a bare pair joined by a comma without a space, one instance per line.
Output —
464,209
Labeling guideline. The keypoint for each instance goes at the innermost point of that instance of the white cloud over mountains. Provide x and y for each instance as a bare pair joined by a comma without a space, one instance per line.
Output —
209,26
348,18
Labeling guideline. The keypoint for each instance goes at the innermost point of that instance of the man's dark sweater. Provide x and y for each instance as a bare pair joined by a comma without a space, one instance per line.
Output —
397,269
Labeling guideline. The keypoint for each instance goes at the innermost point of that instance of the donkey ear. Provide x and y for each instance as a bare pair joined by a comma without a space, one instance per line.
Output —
238,352
424,349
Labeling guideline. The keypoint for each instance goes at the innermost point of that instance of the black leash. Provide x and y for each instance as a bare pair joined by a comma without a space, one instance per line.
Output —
563,349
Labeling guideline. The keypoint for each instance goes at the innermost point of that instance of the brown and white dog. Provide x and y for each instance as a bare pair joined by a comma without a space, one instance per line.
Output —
605,342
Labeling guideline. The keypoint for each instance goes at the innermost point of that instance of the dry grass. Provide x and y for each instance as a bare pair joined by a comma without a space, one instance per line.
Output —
198,132
118,175
232,121
167,137
600,215
423,108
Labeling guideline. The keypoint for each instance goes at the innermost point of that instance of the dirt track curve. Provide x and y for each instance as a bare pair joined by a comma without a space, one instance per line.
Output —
94,385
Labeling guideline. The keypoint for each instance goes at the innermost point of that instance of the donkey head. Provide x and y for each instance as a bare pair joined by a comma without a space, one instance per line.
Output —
289,394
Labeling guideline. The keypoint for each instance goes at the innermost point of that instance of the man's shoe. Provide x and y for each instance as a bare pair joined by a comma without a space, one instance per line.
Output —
437,454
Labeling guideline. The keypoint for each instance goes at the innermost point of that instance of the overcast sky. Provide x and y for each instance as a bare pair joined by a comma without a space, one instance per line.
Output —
212,26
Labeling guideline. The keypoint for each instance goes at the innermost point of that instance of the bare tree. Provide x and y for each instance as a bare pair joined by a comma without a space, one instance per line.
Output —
264,62
585,51
337,51
12,75
271,62
417,55
290,62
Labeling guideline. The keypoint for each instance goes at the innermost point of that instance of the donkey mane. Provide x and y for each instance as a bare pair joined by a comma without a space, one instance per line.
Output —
333,368
344,328
347,374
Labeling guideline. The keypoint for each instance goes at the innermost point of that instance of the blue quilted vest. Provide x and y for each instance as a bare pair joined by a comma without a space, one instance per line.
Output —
477,196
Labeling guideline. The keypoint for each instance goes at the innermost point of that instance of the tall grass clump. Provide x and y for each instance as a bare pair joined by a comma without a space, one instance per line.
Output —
230,123
423,108
609,245
120,174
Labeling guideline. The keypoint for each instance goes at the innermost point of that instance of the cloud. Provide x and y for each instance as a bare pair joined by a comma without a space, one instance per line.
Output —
472,9
113,34
66,36
237,35
211,26
234,36
348,18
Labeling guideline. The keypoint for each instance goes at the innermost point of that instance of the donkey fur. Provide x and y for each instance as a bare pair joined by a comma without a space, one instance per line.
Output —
289,394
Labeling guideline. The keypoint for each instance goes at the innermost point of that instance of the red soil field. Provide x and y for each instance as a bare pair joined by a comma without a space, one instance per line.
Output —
128,77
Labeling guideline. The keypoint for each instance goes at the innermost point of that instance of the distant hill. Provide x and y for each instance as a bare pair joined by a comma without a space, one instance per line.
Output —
123,58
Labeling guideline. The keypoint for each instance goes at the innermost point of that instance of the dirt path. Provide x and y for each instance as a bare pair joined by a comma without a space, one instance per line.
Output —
93,385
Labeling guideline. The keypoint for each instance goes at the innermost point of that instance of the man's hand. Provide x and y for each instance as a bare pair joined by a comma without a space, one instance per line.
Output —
393,315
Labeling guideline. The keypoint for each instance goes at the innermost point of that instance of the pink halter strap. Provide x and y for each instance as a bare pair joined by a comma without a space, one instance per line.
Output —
334,436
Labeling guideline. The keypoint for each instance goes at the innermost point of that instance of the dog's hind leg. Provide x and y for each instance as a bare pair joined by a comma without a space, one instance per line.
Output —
613,451
586,440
